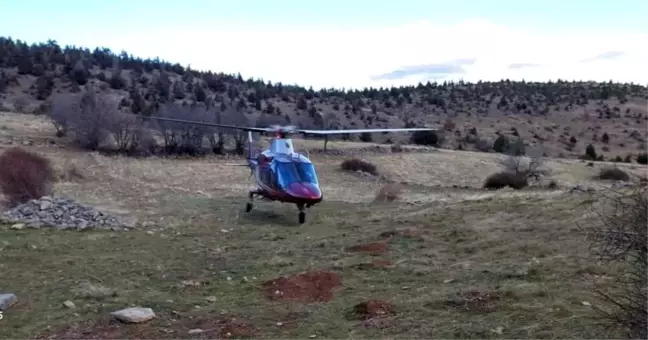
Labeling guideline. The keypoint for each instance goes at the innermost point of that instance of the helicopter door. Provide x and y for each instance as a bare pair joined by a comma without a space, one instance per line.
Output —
265,171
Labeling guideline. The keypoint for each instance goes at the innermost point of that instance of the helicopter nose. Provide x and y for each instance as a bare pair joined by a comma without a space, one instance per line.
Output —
304,190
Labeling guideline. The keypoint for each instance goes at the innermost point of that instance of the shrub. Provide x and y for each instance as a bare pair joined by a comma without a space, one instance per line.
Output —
24,176
590,153
614,174
501,144
506,179
432,138
642,158
355,164
621,236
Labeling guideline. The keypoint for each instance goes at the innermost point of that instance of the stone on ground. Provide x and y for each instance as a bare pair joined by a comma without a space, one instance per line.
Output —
7,300
134,314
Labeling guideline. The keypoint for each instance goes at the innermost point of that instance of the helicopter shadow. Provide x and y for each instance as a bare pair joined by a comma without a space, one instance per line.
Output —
270,215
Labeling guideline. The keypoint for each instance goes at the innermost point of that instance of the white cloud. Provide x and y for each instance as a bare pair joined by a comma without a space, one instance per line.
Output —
350,58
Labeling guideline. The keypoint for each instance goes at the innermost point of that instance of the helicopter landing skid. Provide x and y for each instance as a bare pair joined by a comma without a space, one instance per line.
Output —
249,205
301,206
302,213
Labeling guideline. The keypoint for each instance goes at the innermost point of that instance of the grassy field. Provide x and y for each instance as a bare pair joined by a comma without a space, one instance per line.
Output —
442,262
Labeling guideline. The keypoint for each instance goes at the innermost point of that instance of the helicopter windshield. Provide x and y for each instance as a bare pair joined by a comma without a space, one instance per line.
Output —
289,172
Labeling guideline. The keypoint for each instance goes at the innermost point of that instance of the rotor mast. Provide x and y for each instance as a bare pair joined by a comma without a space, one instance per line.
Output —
281,143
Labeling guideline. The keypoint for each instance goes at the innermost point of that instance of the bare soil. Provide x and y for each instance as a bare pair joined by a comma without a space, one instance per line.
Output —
375,248
312,286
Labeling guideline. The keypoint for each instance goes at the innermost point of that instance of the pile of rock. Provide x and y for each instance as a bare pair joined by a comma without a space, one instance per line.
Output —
60,213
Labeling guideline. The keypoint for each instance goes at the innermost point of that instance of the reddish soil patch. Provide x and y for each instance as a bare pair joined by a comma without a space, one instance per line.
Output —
312,286
372,309
377,264
375,248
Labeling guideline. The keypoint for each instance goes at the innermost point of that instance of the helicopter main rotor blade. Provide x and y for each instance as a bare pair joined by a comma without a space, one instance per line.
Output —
331,132
210,124
291,129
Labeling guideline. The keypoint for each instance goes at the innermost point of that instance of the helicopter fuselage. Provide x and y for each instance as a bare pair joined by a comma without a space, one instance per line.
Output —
284,175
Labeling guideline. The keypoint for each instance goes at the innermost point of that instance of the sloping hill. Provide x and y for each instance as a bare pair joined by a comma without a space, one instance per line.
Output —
563,117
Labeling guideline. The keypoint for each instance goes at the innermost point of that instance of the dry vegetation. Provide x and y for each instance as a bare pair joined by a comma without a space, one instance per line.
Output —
416,247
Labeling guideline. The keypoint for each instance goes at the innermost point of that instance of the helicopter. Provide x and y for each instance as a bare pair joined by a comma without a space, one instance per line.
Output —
280,173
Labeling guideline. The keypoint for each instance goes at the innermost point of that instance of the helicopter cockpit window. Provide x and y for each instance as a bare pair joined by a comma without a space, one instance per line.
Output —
289,172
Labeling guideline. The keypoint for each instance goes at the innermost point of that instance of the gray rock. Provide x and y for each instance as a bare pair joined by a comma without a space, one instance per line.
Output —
18,226
7,300
134,314
46,204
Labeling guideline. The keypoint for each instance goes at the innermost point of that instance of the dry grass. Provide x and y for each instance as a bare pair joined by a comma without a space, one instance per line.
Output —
465,262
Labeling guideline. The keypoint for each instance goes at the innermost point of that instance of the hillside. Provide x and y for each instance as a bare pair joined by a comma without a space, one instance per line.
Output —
564,117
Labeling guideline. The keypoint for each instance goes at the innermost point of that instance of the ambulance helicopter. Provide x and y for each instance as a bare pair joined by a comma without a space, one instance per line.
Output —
280,173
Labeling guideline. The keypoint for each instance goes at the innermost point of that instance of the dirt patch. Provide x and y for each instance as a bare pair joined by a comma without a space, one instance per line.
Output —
105,329
407,233
312,286
474,301
375,248
371,309
234,328
376,264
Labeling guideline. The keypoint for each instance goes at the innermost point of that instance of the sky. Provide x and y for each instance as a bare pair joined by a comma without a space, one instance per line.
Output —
357,43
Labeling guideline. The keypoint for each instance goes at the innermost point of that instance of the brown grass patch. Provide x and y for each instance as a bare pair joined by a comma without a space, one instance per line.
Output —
372,309
375,248
355,164
388,193
376,264
474,301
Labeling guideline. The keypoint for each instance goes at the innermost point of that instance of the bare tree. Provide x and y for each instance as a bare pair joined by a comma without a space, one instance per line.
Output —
179,137
85,115
233,116
126,129
90,121
531,165
215,135
59,112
